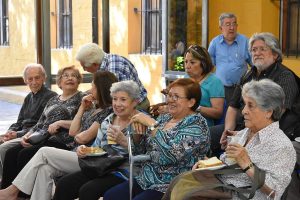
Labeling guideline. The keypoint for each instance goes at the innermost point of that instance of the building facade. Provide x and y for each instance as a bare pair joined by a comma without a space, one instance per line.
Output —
153,34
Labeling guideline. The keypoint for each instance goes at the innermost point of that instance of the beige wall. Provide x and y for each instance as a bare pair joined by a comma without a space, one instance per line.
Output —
21,49
82,33
252,16
125,35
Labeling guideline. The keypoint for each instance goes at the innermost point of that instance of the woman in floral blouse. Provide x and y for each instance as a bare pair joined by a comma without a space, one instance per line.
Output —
174,142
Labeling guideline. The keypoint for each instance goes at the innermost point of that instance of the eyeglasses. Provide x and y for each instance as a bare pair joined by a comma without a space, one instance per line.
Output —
67,76
234,24
261,49
174,97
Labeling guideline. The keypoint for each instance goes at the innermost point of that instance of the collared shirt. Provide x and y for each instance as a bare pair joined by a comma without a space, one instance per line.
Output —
124,70
273,152
31,110
230,60
173,151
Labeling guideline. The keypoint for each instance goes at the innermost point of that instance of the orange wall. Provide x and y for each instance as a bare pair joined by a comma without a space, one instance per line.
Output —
252,16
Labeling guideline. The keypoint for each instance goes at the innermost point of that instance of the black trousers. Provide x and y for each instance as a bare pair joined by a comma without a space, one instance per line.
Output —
74,185
18,156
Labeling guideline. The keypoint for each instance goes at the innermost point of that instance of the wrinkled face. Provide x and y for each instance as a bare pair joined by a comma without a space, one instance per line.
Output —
69,80
34,79
262,55
254,117
178,103
92,69
229,28
192,66
123,105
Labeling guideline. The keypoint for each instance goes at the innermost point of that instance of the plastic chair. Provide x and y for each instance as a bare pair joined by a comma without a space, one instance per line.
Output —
132,160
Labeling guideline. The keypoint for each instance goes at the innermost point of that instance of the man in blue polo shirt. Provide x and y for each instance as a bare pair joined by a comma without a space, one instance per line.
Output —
229,53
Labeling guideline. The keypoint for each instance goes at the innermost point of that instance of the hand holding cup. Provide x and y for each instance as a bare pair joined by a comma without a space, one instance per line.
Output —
112,133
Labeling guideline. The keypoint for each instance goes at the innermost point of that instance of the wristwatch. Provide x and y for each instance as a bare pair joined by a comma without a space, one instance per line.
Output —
153,126
248,167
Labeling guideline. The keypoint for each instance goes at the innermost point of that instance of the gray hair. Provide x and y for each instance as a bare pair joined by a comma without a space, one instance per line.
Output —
270,40
268,95
34,65
225,15
89,54
130,87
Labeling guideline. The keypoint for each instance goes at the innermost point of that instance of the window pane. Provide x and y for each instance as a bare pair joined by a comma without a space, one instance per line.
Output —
184,29
291,28
65,31
3,23
152,27
95,21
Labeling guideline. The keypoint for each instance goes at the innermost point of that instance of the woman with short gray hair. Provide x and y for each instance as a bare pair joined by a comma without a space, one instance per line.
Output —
130,87
268,95
262,144
265,144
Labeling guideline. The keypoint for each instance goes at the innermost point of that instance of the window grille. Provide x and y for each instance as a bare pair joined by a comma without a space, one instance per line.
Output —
151,26
95,22
4,23
291,28
65,30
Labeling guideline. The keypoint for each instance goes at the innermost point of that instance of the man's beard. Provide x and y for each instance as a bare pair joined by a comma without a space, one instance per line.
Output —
262,65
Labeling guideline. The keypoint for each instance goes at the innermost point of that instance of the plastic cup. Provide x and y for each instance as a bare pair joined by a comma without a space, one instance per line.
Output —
109,140
232,139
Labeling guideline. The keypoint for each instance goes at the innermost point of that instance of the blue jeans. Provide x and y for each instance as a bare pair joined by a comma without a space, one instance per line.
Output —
121,191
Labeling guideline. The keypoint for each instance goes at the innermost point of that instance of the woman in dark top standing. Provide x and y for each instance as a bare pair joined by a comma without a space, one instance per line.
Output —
59,107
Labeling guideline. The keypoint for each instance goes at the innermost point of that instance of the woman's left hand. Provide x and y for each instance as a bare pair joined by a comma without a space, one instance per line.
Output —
53,128
239,153
143,119
116,135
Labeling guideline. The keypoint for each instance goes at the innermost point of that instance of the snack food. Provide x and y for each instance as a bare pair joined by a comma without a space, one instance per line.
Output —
89,150
211,162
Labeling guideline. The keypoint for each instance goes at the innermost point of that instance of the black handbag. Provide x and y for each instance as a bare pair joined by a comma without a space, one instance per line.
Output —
97,166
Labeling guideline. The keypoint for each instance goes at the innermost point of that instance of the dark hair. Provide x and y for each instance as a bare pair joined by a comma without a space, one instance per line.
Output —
103,81
191,89
200,53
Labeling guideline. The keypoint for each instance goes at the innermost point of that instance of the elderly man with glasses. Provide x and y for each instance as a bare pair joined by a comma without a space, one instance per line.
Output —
229,53
266,57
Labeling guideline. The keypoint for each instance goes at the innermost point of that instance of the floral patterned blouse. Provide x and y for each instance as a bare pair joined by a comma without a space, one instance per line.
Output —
55,110
173,151
272,151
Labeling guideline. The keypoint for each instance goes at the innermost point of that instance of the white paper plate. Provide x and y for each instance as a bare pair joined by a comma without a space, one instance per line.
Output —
212,168
97,154
297,139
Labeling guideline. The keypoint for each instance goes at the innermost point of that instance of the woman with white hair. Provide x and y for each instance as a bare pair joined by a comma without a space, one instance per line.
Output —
264,145
48,163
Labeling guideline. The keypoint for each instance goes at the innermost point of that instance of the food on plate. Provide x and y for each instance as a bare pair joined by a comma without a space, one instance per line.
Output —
89,150
211,162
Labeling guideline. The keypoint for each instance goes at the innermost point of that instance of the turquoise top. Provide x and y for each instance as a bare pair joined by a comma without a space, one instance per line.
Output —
211,87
